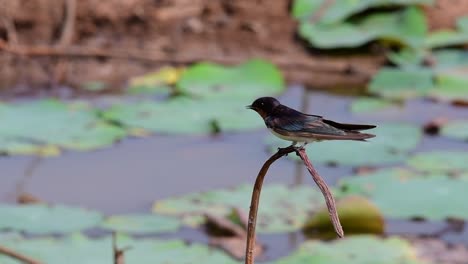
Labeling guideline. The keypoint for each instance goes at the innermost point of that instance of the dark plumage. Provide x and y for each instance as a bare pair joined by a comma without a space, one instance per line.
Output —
292,125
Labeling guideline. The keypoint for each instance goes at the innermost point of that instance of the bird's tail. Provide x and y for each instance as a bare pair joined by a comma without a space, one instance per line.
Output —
349,127
354,135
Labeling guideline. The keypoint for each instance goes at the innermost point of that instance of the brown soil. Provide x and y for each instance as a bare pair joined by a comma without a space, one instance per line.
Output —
51,43
444,13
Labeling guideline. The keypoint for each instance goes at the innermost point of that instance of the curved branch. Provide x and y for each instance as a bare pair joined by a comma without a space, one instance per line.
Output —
249,251
330,201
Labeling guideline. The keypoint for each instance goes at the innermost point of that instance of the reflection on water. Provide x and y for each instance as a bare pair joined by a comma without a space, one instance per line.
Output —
129,176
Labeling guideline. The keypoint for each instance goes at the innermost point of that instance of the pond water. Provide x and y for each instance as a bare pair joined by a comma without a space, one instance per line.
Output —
129,176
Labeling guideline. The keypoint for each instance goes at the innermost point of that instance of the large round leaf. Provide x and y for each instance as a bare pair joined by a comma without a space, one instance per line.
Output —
407,28
401,84
141,223
447,37
279,211
50,122
186,116
247,81
451,86
440,161
402,193
354,250
78,249
457,129
366,105
340,10
43,219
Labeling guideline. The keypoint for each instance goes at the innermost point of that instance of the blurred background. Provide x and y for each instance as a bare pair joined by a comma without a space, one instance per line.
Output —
129,117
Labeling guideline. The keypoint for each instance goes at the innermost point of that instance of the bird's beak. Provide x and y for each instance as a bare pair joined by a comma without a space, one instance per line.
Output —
249,107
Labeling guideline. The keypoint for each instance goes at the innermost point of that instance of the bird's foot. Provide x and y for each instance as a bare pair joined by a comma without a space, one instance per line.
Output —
293,145
303,145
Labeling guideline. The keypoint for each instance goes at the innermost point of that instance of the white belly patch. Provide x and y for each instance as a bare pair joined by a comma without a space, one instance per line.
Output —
297,139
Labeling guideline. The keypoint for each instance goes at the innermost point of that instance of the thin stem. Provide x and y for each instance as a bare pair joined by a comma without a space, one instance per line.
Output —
330,201
249,251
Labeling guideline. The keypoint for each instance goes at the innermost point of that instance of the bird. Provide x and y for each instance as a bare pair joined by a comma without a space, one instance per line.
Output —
297,127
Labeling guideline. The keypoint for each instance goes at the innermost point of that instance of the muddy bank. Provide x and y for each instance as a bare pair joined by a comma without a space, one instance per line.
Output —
48,43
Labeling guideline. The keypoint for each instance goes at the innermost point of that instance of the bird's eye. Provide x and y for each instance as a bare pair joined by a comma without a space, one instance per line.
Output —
261,103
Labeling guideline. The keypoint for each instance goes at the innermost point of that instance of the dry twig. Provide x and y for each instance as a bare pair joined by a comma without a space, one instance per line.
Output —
249,252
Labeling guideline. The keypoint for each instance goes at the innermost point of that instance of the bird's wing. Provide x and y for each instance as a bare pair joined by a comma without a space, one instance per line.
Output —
306,126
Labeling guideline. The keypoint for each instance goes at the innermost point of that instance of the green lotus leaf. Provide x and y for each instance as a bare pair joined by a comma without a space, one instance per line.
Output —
31,127
457,129
185,116
440,161
78,249
158,82
400,193
401,84
44,219
340,10
446,37
279,211
354,250
141,223
246,81
450,86
369,105
406,28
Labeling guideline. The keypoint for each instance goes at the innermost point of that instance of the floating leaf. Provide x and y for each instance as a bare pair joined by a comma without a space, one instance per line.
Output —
446,37
185,116
13,147
246,81
32,127
303,9
401,193
340,10
78,249
354,250
43,219
407,28
400,84
440,161
408,58
367,104
179,115
443,38
457,129
450,59
141,223
446,80
391,144
155,82
279,210
357,216
450,87
462,24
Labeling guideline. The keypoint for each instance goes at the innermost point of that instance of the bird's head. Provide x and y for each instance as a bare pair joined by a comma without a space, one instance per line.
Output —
264,105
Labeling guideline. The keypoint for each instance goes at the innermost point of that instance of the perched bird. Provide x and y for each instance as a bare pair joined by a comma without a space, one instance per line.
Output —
289,124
